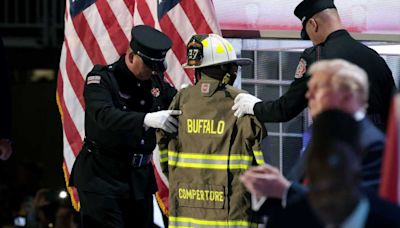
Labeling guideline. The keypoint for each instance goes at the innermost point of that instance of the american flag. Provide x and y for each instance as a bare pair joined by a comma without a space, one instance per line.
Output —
390,180
98,32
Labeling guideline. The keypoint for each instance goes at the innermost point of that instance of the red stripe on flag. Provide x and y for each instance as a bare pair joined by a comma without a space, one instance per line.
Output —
71,132
88,39
145,13
196,17
74,75
179,45
130,4
390,166
117,35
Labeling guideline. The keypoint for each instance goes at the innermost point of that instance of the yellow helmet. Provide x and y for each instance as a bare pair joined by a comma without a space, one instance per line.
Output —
209,50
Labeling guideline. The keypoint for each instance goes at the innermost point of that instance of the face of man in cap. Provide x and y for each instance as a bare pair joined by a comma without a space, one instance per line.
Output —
137,66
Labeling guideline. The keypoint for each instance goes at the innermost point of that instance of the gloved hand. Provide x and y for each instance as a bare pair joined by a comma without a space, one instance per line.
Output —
244,104
162,119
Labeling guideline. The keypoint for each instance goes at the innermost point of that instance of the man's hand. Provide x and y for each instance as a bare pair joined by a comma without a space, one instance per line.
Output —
163,119
244,104
5,149
265,181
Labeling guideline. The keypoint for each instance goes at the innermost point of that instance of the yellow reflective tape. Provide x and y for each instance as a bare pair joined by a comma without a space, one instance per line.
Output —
229,46
207,166
211,156
219,49
260,161
212,222
163,152
162,160
205,43
257,153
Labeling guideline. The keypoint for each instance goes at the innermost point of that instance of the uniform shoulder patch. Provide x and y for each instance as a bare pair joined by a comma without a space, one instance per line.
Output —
95,79
205,87
301,68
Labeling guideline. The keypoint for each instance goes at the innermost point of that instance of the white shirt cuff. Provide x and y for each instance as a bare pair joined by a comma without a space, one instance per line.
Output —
284,196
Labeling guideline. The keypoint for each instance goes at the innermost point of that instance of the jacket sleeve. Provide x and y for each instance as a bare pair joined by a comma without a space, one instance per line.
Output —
167,141
293,102
255,140
287,106
100,107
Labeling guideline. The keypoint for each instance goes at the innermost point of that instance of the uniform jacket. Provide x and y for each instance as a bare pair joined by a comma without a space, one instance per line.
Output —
338,44
205,159
116,103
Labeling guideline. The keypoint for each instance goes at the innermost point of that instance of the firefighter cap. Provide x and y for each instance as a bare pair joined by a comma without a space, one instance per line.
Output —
308,8
150,44
209,50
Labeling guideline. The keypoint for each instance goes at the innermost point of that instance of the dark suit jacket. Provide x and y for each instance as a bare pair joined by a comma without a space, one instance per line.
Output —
300,214
372,143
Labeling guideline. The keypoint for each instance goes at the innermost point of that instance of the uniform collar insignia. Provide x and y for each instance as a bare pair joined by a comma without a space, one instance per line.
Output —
155,92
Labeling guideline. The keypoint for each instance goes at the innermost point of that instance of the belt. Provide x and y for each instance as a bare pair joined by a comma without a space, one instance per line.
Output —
137,159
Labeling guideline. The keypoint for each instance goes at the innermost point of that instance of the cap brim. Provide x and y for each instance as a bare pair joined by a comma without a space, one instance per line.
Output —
238,61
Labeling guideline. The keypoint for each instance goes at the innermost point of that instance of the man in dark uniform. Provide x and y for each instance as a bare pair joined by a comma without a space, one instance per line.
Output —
321,24
125,101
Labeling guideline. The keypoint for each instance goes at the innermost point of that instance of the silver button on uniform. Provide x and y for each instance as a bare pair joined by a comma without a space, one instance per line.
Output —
142,102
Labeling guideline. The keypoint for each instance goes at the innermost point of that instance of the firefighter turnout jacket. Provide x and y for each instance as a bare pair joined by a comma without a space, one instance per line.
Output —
204,160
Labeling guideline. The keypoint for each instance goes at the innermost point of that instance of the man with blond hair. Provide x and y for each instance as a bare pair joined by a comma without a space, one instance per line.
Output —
334,84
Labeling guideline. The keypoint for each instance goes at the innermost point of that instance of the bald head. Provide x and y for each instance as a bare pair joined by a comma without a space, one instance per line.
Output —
322,24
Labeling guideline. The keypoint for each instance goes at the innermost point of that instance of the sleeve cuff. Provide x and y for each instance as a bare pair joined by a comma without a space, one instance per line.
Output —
284,196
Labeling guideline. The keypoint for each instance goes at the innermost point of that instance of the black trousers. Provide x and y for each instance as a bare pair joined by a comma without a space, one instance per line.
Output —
101,211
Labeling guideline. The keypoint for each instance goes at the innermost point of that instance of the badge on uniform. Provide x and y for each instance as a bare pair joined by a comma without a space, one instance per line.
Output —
205,87
155,92
93,80
301,68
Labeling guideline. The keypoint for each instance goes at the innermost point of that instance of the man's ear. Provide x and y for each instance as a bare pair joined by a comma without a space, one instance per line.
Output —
314,24
131,56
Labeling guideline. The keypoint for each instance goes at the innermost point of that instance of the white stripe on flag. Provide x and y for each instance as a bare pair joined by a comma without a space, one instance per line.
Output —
175,71
181,22
101,34
78,52
69,156
207,9
71,101
123,16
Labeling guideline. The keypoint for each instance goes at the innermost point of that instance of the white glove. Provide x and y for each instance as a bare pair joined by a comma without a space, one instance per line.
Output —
244,104
162,119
